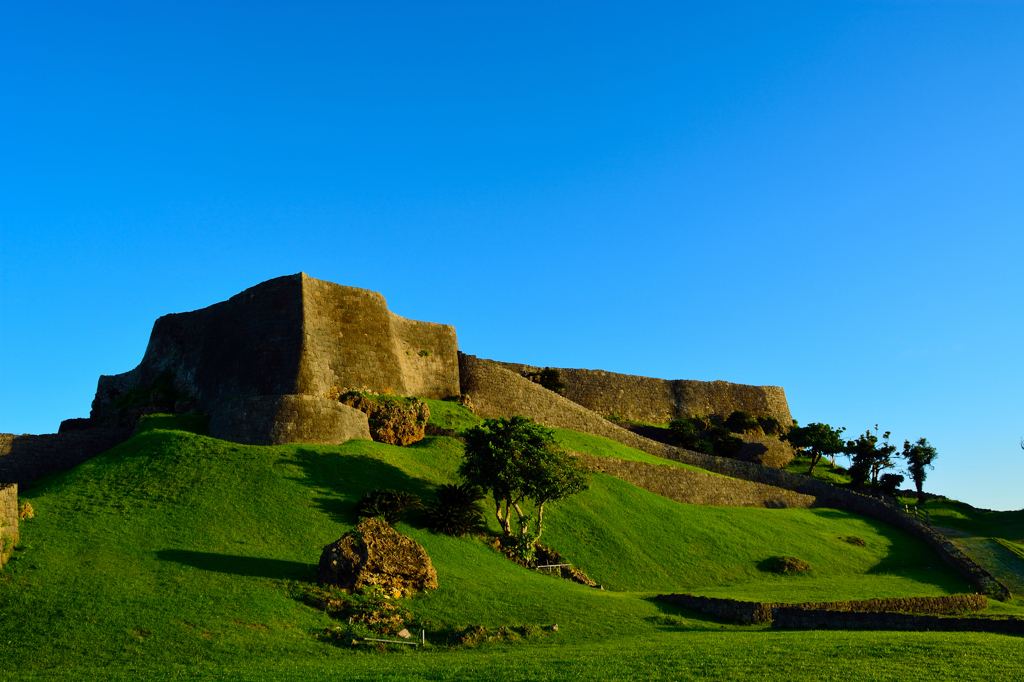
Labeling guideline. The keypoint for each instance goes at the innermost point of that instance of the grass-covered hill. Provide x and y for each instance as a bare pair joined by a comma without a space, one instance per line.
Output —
179,556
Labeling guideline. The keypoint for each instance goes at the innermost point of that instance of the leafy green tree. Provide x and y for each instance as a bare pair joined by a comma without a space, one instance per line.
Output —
919,458
517,460
869,458
817,439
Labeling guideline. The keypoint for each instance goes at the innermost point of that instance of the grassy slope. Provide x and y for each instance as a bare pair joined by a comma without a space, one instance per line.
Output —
183,552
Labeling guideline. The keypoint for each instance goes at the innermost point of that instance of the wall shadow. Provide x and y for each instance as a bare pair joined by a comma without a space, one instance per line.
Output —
231,564
343,479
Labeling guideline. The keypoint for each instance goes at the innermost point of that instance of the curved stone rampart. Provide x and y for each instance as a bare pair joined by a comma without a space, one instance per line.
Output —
659,401
280,419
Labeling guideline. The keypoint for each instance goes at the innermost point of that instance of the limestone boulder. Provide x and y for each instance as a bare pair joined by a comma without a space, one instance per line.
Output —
377,554
392,420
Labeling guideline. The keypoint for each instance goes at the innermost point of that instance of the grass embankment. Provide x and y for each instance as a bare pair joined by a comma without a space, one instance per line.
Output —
176,554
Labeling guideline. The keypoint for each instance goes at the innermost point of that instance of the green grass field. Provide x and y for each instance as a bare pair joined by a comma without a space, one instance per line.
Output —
179,556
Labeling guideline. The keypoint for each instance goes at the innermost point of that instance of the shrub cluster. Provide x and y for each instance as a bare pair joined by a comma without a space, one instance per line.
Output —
391,505
456,510
706,434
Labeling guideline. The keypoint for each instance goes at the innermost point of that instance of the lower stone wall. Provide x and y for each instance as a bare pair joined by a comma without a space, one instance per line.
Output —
803,619
26,458
8,519
695,487
885,613
499,392
279,419
732,610
658,401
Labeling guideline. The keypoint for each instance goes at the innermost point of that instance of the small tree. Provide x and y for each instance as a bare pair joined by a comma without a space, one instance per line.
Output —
818,439
868,458
516,460
919,458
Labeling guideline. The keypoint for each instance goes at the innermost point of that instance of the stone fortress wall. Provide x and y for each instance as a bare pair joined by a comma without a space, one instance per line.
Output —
8,516
499,392
696,487
28,457
294,335
353,342
269,363
659,401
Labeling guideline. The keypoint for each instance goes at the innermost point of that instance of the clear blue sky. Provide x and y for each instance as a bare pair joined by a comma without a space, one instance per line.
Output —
824,196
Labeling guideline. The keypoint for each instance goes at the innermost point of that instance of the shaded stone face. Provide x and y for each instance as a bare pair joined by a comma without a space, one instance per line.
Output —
290,336
294,335
280,419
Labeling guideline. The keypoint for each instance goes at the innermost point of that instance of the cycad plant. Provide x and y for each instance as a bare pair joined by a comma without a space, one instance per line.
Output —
456,510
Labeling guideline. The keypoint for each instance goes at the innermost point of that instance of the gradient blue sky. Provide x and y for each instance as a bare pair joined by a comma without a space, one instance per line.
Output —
824,196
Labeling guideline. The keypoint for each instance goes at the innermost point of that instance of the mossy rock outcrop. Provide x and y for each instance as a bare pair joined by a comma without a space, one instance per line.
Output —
392,420
377,554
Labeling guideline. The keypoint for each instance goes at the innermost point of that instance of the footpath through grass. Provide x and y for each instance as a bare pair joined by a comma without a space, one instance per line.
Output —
176,555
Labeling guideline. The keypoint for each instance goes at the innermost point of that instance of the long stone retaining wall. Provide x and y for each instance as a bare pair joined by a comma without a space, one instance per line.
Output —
26,458
659,401
500,392
695,487
908,613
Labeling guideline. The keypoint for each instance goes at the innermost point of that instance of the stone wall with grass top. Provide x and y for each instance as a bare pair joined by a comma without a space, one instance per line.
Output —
659,401
835,614
695,487
8,518
28,457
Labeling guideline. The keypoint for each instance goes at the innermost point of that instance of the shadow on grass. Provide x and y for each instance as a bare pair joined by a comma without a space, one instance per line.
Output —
908,556
344,478
675,618
230,564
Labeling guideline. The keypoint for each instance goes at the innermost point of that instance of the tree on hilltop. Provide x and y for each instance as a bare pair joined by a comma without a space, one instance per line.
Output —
919,457
868,457
818,439
517,460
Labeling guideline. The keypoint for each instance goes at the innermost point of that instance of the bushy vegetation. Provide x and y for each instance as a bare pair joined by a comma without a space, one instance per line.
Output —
390,505
517,461
709,435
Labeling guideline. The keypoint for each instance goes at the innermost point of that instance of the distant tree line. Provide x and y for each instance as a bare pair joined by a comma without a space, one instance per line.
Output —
871,456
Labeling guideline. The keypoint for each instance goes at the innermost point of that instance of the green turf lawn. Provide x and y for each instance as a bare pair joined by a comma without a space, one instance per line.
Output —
176,555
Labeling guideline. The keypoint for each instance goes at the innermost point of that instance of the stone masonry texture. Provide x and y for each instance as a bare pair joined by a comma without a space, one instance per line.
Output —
26,458
9,511
659,401
908,613
280,419
695,487
293,335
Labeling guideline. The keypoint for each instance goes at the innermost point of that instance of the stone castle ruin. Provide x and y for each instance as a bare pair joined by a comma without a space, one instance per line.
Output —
270,365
